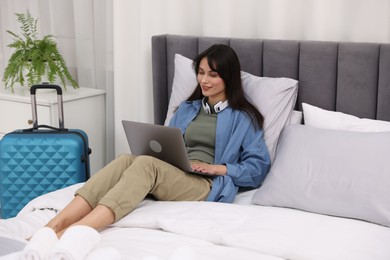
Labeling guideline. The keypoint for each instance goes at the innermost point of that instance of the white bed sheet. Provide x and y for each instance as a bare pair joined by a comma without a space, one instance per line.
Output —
210,230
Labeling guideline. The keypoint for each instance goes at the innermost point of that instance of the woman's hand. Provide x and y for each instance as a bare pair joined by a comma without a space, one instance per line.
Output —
211,169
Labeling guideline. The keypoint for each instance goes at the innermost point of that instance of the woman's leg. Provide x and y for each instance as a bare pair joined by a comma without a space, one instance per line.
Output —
148,175
145,175
73,212
105,179
98,218
92,191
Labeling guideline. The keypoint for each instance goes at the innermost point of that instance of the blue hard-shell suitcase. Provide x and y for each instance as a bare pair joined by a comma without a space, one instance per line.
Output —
40,159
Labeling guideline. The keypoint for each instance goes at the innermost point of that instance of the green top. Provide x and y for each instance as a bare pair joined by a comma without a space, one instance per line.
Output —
200,137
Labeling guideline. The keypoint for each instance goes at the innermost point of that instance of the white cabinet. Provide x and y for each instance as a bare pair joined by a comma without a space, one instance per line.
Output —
84,109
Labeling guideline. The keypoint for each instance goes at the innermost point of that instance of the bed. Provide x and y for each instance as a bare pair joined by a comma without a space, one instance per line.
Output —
326,196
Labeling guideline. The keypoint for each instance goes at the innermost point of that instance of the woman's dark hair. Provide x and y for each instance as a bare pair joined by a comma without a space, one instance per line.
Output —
223,59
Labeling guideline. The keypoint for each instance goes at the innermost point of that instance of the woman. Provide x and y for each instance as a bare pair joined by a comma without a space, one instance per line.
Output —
223,133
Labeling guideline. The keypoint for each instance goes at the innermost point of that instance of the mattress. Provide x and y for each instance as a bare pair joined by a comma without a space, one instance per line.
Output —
209,230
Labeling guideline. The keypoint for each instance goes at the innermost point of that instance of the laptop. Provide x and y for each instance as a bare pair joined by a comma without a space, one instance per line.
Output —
163,142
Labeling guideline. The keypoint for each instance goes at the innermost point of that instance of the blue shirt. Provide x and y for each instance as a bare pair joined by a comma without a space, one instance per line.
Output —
239,145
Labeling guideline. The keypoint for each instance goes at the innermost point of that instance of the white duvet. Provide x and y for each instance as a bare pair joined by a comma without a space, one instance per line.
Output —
206,230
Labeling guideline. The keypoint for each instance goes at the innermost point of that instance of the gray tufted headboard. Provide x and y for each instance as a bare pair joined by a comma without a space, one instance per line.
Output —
353,78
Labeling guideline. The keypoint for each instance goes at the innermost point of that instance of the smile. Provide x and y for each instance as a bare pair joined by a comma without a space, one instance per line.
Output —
204,88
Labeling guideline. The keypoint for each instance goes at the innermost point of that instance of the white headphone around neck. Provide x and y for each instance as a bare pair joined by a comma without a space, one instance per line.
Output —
221,105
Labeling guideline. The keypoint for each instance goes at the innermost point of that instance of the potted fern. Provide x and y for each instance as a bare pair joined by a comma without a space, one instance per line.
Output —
34,60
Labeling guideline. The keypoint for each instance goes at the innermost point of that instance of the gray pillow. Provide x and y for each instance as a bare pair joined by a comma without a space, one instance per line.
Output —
332,172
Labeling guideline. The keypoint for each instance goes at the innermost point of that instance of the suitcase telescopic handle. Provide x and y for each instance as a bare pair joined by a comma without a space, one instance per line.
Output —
33,90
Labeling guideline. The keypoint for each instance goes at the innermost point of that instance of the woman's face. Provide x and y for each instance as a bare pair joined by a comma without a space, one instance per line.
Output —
211,83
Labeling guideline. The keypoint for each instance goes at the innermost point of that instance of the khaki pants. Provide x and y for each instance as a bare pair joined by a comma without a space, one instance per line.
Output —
127,180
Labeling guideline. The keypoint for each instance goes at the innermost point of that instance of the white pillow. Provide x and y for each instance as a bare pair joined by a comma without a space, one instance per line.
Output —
296,117
333,172
274,97
184,83
321,118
